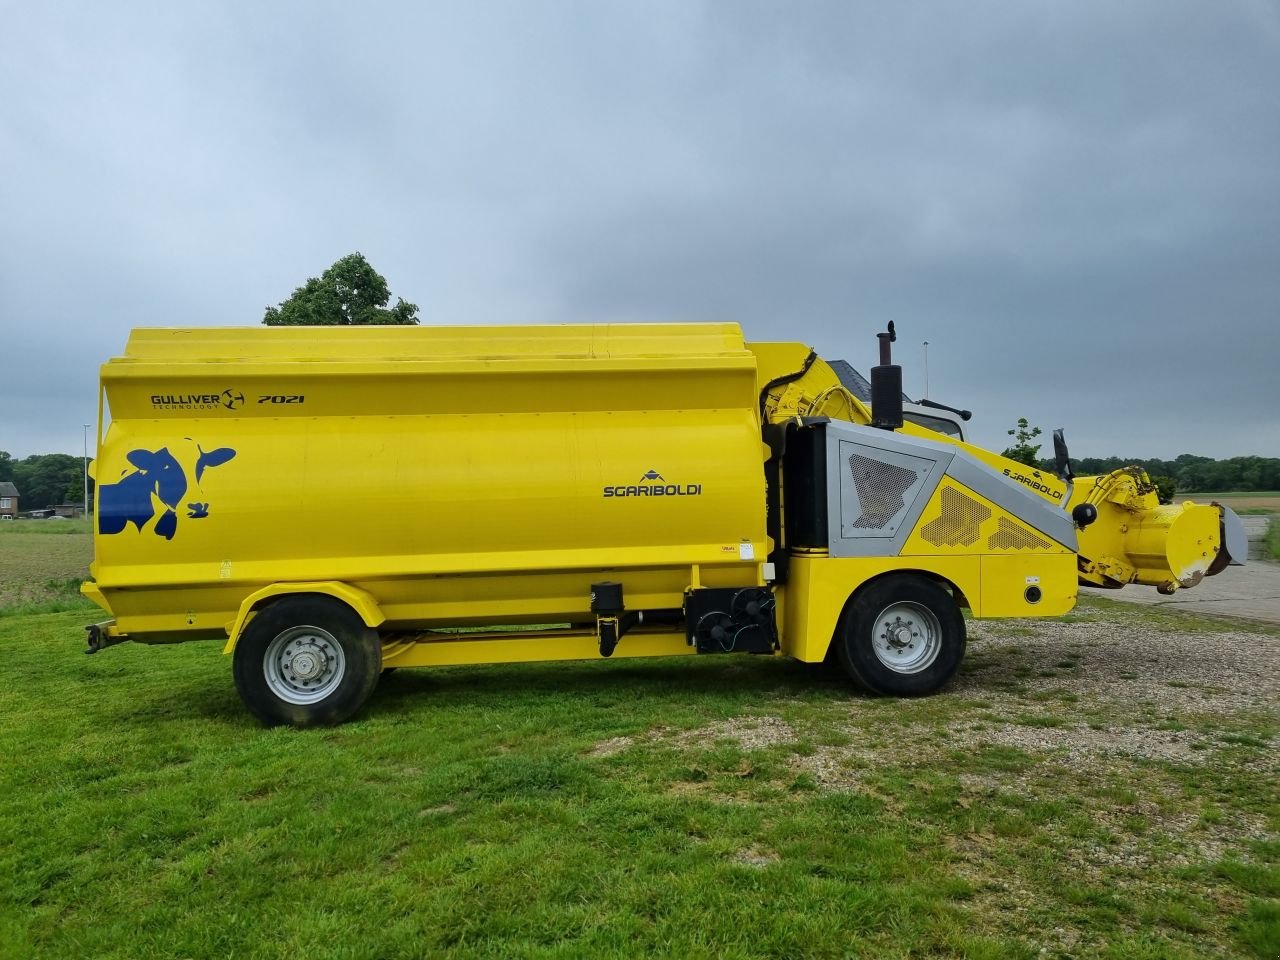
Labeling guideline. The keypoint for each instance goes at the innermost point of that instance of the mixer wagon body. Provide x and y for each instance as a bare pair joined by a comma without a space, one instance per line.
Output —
457,476
333,502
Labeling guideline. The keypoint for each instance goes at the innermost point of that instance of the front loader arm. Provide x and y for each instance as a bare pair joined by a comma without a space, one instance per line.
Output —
1133,538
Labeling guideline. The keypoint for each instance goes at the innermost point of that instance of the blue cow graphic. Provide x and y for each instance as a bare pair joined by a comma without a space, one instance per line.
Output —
157,474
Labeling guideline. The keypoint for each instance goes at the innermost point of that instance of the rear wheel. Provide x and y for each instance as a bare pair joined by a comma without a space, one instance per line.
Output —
306,661
902,636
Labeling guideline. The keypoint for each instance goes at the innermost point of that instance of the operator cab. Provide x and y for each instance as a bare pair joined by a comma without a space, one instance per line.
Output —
939,421
923,414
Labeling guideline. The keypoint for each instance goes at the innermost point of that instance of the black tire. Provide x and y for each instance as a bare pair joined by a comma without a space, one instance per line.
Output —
901,636
295,640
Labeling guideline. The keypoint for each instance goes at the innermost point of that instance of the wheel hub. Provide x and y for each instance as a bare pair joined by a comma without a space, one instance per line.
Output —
907,637
303,664
306,665
899,634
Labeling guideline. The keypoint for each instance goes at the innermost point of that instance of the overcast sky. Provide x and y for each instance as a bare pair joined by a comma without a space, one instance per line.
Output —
1076,204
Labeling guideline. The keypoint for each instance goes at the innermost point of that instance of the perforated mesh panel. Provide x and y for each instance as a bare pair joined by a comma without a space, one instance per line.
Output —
880,487
1010,536
956,525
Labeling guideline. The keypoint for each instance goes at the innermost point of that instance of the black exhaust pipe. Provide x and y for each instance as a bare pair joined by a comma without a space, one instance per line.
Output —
886,386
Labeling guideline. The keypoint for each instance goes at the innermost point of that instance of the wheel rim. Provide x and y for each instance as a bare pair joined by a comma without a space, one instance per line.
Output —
906,637
304,664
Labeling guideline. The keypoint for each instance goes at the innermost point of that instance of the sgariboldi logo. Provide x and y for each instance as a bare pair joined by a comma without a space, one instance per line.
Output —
652,484
228,399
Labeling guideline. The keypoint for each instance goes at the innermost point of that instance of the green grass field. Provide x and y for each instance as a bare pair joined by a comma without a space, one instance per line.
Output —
1253,501
46,527
42,563
1103,785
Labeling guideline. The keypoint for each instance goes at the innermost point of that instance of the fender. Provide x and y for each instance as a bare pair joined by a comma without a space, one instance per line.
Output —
361,601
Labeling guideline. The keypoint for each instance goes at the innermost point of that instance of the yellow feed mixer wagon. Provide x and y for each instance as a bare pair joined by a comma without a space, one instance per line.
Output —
331,502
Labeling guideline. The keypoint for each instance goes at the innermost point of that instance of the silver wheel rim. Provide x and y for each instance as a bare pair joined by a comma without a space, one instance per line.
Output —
304,664
906,637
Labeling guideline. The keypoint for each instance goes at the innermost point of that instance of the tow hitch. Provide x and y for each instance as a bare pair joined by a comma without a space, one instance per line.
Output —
102,636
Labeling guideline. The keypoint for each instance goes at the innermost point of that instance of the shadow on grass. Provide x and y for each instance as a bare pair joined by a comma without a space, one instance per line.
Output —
188,696
417,692
666,679
739,682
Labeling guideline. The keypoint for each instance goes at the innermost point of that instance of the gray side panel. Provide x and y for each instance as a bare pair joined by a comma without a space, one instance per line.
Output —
878,484
874,526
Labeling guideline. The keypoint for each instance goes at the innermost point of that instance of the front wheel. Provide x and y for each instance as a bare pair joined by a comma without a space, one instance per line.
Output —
901,636
306,661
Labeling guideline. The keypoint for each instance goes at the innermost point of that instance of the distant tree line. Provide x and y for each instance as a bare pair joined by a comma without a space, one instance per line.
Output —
45,479
1185,473
1190,473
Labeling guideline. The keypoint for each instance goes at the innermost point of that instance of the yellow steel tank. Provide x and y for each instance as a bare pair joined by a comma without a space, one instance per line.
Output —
458,475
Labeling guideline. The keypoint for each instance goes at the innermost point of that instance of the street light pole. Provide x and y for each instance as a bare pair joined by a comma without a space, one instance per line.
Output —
86,468
926,369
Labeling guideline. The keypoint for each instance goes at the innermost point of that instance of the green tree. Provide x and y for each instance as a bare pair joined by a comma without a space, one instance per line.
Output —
76,490
1166,487
1023,450
6,466
349,293
44,480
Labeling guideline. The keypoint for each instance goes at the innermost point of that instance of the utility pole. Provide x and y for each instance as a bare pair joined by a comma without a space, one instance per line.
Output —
86,468
926,369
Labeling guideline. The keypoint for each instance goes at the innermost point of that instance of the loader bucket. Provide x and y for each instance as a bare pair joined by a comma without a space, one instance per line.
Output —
1235,544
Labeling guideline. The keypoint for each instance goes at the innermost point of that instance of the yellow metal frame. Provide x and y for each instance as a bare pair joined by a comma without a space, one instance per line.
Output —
992,586
528,648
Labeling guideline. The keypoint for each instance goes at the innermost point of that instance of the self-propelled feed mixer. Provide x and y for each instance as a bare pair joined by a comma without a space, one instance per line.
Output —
331,502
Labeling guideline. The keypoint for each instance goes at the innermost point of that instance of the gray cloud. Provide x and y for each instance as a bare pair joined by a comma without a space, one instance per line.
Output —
1078,206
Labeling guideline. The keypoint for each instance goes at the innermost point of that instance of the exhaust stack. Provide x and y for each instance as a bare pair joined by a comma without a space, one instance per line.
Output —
886,385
